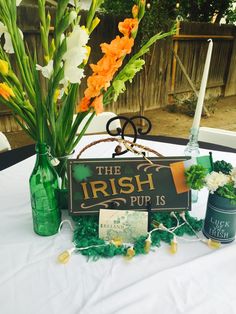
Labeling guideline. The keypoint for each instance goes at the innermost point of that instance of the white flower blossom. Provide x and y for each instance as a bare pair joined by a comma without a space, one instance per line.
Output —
77,38
73,74
8,47
47,70
73,2
216,179
75,54
233,176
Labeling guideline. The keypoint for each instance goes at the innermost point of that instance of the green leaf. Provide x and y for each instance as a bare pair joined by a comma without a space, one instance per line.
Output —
133,66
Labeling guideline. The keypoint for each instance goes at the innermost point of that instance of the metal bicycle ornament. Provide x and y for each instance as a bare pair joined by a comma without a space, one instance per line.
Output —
122,132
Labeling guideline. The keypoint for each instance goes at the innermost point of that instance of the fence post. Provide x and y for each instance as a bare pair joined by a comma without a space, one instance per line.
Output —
230,86
174,63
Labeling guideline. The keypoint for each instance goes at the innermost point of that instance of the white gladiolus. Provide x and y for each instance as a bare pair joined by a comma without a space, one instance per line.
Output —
75,54
8,47
73,74
216,179
78,38
73,2
47,70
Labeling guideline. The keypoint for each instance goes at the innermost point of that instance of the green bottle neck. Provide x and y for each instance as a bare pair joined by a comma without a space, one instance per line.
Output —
42,153
41,148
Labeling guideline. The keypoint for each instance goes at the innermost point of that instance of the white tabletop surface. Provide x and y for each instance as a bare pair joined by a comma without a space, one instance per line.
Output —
195,280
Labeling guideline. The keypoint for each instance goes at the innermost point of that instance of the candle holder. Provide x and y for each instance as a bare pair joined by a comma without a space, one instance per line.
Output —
192,150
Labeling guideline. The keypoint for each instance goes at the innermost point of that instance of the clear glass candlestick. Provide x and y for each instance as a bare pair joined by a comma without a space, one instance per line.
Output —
192,150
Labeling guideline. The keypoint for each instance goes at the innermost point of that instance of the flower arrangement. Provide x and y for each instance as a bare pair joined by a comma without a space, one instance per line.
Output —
53,114
221,180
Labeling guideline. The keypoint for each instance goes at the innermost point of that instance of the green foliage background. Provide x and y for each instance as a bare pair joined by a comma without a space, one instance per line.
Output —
161,14
203,10
159,17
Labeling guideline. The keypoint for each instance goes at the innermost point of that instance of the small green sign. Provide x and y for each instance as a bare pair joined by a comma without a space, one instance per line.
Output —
130,184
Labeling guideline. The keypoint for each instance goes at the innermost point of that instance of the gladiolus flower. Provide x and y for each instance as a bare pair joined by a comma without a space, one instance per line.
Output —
73,74
8,47
72,2
128,26
97,104
78,38
46,70
5,91
135,11
75,54
4,67
106,67
83,106
118,47
95,84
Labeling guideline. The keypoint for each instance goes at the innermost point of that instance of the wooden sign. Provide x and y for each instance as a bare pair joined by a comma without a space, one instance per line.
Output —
124,183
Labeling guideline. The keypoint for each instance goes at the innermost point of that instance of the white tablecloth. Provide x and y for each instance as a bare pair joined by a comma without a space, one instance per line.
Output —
197,280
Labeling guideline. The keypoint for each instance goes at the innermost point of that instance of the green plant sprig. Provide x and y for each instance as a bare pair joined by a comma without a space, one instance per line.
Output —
195,177
227,191
222,166
128,73
9,19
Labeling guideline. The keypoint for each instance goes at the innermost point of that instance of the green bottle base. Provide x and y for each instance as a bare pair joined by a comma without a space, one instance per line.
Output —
46,224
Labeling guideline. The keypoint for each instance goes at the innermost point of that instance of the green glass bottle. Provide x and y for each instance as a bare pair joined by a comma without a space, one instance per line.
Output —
43,185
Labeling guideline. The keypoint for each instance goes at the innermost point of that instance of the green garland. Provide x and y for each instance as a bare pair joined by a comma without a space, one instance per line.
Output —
86,235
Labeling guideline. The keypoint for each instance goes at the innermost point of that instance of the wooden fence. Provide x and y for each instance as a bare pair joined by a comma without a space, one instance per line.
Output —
191,46
162,77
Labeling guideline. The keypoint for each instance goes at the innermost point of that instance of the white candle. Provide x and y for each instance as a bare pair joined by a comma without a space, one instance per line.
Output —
201,96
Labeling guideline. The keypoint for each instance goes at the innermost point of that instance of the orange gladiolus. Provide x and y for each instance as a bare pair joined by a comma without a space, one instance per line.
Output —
97,104
95,84
106,67
83,106
5,91
128,26
118,47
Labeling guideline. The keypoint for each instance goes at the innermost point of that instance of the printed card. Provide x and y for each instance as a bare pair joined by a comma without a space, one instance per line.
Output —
126,225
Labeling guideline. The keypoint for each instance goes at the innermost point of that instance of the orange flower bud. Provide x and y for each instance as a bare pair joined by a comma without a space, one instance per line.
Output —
5,91
135,11
128,26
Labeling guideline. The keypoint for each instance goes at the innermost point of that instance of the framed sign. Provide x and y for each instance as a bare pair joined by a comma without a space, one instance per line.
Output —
125,183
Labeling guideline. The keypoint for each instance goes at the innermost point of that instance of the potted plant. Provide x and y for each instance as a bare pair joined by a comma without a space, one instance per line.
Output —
220,219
